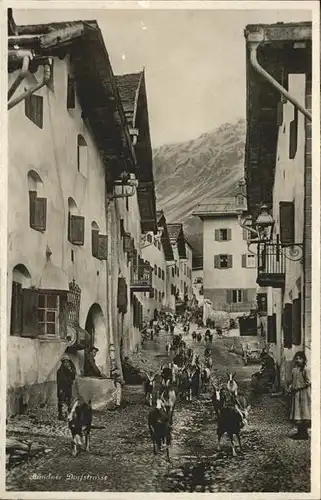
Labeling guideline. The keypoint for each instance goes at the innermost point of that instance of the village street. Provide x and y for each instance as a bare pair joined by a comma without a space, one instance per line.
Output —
121,456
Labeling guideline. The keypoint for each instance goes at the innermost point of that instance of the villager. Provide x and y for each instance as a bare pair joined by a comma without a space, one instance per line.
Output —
116,375
265,377
300,389
90,367
66,374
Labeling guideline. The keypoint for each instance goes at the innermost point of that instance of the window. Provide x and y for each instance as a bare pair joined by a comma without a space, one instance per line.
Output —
223,234
237,296
293,142
249,261
155,270
159,272
149,238
160,296
34,109
82,155
37,212
71,96
287,222
98,243
173,272
163,275
48,314
223,261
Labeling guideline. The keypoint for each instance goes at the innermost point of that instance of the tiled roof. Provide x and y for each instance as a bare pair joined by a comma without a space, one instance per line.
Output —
174,230
220,206
128,86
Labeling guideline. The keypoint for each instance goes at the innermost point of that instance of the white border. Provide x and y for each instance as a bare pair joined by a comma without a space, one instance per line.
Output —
173,5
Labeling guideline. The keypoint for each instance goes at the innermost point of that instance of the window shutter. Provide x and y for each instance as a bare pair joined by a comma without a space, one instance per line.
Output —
245,296
216,261
217,235
94,242
122,301
63,313
287,326
122,229
40,214
71,100
229,261
16,309
229,234
245,232
296,311
102,246
32,199
271,327
29,313
76,229
279,113
287,229
229,296
34,109
127,243
243,260
293,142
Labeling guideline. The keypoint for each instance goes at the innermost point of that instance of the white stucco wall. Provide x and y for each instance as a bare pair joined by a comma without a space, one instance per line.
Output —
52,153
289,186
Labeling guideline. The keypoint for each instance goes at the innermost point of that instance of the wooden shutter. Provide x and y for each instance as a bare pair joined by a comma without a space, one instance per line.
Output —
245,233
287,326
243,260
216,261
40,214
76,229
94,242
102,247
293,142
29,313
229,234
296,312
63,314
217,235
230,261
16,309
229,296
71,97
279,113
287,223
122,228
34,109
271,329
127,243
32,200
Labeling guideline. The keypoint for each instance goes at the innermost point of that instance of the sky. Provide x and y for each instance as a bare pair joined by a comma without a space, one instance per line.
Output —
194,60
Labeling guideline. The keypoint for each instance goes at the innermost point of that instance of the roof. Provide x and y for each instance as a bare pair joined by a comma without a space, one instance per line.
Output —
96,86
132,91
280,54
128,86
176,236
220,207
165,239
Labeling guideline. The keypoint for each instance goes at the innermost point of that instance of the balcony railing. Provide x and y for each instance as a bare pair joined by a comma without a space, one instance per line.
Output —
141,278
271,265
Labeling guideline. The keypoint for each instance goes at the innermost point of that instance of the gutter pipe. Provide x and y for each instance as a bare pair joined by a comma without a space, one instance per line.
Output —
22,73
269,78
45,79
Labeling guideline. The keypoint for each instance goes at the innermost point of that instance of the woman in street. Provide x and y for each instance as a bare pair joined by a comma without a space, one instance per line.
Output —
300,389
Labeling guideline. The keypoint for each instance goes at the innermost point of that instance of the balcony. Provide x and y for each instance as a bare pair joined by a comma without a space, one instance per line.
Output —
271,265
141,278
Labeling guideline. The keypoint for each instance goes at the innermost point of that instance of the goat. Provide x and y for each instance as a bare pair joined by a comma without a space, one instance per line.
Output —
231,420
205,377
168,398
231,385
160,428
218,400
148,388
79,422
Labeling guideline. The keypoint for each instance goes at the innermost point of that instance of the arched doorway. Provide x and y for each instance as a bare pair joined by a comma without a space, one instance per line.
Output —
96,327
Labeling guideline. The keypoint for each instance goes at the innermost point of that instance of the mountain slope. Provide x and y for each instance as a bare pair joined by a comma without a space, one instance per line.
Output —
187,174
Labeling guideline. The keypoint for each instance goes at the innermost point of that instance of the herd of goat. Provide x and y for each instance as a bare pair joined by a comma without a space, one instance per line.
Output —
183,378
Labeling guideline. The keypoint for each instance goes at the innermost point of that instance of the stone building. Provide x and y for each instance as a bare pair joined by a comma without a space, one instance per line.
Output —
278,173
229,269
72,159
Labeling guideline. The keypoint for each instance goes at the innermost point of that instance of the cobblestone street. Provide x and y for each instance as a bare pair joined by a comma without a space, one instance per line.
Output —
121,456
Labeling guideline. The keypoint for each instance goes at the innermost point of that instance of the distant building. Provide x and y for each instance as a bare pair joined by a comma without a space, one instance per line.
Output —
229,270
278,169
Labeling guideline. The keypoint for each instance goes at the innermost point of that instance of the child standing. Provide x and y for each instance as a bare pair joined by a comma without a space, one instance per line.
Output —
301,396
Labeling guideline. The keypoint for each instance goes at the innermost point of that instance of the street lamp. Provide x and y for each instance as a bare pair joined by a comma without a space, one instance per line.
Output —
264,224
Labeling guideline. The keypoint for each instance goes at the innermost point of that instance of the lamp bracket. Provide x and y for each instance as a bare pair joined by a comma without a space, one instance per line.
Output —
293,252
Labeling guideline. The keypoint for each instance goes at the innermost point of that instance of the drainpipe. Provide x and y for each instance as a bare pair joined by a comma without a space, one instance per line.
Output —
27,56
269,78
45,79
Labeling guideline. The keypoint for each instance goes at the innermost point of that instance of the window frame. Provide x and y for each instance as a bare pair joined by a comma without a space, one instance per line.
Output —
238,296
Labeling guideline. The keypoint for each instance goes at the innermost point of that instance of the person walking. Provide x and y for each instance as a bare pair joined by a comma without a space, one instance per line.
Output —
66,375
116,375
300,389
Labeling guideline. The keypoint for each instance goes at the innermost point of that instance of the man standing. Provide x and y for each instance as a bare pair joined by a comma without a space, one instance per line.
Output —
115,374
66,374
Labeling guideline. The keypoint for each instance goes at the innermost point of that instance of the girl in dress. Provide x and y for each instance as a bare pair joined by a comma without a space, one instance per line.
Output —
301,396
